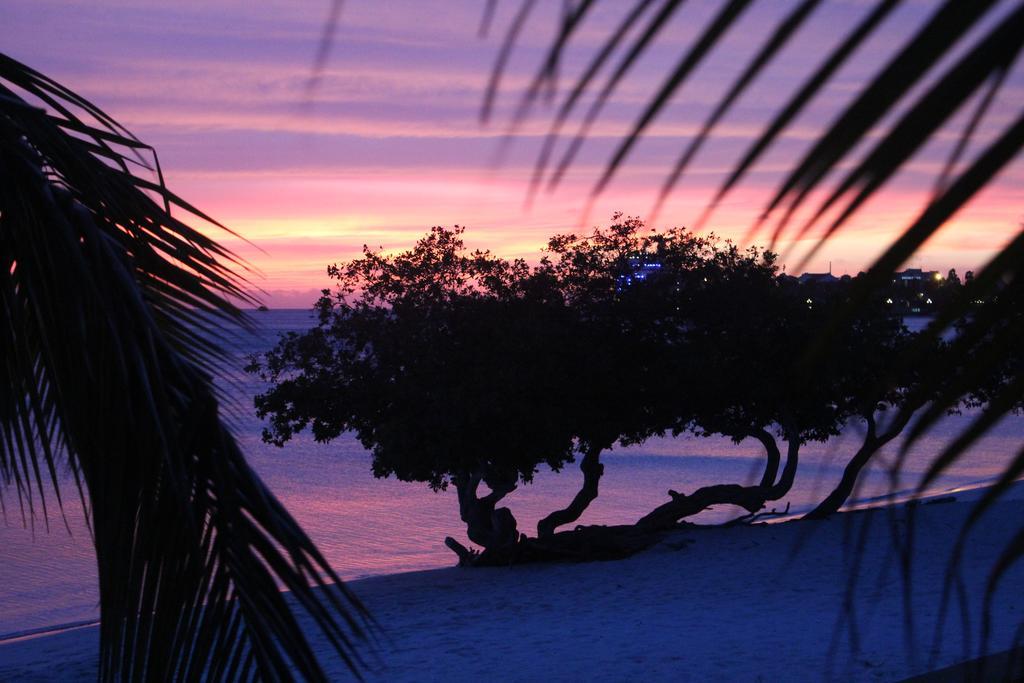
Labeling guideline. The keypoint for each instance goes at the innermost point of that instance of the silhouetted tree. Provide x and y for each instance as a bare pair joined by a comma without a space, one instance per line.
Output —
955,54
990,384
890,385
720,328
739,326
615,280
452,369
463,369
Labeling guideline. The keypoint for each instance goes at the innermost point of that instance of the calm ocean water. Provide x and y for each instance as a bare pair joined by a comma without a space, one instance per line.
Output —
366,526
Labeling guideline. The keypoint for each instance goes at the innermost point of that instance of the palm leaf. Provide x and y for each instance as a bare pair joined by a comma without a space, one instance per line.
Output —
323,50
813,85
775,42
636,50
939,43
503,56
904,70
689,61
106,305
991,57
581,85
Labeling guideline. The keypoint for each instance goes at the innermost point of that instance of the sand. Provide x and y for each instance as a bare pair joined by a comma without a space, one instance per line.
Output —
769,602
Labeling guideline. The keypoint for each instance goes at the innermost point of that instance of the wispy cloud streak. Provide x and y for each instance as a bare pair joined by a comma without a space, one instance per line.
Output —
391,142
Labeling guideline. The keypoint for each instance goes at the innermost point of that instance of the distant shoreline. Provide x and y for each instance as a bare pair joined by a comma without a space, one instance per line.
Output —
963,494
46,630
715,603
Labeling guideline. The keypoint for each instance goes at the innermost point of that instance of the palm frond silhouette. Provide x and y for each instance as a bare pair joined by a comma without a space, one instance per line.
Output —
111,318
958,59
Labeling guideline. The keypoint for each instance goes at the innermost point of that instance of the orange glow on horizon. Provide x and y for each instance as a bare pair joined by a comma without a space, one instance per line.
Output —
298,226
391,142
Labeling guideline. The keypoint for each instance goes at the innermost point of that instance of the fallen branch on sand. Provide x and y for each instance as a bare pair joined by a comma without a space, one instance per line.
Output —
582,544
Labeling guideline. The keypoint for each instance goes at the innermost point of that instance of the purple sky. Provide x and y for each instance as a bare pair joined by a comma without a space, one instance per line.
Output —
392,144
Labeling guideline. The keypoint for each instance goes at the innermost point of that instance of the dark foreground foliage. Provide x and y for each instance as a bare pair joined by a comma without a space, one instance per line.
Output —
935,84
110,308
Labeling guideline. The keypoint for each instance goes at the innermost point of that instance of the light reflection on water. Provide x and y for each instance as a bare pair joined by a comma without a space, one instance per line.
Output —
366,526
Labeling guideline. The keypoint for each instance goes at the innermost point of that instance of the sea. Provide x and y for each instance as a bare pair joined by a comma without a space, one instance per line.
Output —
366,526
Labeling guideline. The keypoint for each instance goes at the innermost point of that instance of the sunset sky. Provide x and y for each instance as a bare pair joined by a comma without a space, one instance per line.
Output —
390,142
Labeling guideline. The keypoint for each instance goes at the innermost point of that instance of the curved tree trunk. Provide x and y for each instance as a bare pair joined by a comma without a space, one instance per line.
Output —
842,492
872,444
592,470
785,482
772,454
486,526
750,498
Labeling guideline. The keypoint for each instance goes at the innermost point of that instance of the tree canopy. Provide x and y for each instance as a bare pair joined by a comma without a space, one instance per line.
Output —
461,368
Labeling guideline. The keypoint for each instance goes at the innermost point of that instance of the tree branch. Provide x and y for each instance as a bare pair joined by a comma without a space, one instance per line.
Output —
771,448
592,470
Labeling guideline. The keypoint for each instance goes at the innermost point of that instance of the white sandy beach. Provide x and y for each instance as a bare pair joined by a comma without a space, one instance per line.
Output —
757,603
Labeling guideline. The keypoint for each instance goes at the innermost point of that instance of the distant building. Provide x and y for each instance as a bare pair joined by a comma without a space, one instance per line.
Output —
915,276
825,278
641,269
819,278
